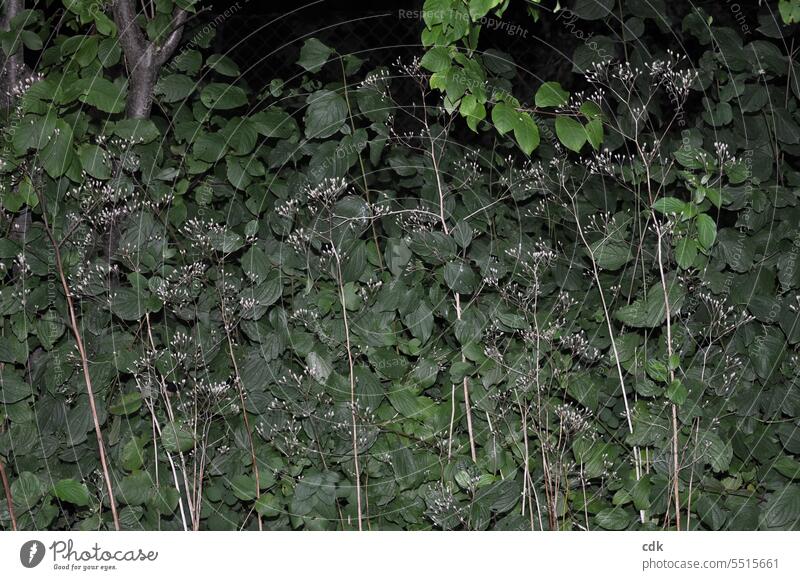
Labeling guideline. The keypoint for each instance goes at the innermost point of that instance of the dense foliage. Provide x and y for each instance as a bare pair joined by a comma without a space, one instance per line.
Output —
324,304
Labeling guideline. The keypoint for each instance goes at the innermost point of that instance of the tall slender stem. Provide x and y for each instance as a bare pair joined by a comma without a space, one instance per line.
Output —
618,364
351,366
9,498
84,364
668,314
446,231
245,420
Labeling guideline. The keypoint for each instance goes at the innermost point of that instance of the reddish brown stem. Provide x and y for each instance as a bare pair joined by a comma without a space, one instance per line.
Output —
9,499
84,363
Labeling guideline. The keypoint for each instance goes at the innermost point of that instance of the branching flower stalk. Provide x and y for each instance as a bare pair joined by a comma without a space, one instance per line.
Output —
157,427
193,506
445,229
646,160
607,317
621,81
73,321
360,159
158,433
528,487
240,388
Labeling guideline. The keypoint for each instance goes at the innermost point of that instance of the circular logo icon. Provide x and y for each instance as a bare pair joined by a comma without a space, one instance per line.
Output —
31,553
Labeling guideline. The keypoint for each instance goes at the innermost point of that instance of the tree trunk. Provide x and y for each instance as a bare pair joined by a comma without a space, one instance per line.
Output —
141,83
144,58
13,64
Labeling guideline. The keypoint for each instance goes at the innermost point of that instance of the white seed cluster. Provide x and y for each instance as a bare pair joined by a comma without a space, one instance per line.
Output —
442,507
419,219
324,195
573,419
579,346
377,81
411,69
24,84
299,240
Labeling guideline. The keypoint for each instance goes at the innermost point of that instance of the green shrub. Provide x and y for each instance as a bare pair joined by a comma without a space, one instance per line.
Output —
325,307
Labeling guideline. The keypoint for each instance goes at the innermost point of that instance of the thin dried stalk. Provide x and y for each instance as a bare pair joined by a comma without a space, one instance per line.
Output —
665,289
240,388
446,231
607,316
351,365
9,498
194,514
73,320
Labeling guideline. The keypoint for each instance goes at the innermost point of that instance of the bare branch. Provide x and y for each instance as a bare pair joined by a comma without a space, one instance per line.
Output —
166,50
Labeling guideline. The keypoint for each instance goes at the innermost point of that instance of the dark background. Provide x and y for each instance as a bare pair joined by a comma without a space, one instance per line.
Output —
265,37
